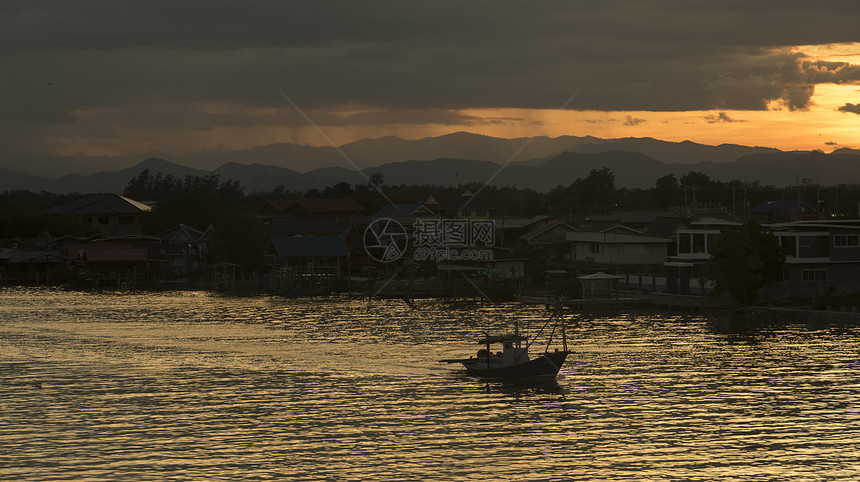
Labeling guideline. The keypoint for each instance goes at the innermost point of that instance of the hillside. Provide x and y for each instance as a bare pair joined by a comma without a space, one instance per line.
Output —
632,168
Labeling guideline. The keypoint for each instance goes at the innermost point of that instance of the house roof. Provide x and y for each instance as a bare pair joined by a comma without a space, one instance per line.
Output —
96,252
126,238
631,216
181,233
714,222
402,211
455,199
11,243
600,275
620,229
664,227
546,227
834,225
308,246
316,206
612,238
100,204
13,256
517,223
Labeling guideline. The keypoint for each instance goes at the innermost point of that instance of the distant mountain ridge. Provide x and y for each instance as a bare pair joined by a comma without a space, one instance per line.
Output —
631,169
636,162
369,153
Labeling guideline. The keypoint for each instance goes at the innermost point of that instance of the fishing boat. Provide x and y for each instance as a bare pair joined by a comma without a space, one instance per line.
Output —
513,361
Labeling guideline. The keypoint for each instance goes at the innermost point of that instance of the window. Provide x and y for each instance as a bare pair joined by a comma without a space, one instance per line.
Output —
104,220
845,240
813,275
699,243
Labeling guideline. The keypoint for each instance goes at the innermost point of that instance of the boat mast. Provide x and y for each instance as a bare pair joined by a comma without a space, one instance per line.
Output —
517,332
487,339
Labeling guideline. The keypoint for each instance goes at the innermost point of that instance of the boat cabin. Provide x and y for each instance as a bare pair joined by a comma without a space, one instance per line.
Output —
513,351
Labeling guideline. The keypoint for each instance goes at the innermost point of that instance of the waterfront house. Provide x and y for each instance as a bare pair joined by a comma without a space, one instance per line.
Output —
820,257
105,213
27,264
668,227
610,251
634,256
509,230
550,239
116,263
692,249
183,251
306,262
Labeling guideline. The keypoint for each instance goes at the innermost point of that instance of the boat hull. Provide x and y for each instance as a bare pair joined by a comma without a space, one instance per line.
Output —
545,366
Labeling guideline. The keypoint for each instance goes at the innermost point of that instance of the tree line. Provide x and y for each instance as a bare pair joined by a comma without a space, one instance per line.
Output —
201,201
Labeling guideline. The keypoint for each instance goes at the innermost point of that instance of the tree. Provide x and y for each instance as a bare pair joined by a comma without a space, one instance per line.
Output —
667,190
596,191
376,180
696,179
743,260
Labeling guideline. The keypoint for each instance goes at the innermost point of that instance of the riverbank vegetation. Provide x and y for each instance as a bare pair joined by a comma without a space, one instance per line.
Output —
207,200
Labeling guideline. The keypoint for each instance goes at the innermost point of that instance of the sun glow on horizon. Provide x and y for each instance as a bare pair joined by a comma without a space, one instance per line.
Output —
219,126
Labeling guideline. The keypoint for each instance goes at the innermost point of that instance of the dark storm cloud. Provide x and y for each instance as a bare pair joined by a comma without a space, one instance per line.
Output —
631,121
721,118
850,108
63,57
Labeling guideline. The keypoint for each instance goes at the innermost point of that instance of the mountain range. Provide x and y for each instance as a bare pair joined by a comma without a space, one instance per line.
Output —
540,163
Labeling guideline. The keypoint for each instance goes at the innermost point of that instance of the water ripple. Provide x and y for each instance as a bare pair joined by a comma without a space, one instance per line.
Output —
196,386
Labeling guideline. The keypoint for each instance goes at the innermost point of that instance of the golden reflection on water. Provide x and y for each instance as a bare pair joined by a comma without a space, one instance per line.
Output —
199,386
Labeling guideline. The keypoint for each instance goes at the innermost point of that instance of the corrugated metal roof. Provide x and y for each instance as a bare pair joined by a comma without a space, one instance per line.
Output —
308,246
111,203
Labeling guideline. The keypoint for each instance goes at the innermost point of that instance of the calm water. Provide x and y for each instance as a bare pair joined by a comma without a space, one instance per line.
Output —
196,386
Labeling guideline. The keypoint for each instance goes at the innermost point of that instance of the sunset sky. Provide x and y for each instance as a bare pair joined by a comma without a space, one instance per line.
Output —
122,78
